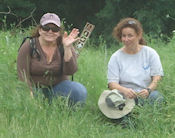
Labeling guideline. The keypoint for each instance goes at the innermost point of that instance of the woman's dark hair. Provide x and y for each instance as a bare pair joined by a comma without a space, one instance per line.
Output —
128,22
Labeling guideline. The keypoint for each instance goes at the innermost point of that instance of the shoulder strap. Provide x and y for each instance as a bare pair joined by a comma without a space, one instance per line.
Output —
34,50
61,49
24,41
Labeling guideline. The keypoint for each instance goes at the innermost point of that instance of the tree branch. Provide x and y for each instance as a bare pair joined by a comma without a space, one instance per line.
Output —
30,16
9,12
18,18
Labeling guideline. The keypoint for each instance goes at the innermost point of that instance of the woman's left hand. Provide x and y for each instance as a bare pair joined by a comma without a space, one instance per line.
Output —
68,40
143,93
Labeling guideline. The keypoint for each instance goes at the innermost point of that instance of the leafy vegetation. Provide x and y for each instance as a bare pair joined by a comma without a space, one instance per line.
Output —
21,116
157,17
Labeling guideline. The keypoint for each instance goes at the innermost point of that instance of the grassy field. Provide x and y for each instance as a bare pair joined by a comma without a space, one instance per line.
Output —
24,117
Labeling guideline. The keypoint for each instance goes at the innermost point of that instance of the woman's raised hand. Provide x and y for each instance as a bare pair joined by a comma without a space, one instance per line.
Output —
68,40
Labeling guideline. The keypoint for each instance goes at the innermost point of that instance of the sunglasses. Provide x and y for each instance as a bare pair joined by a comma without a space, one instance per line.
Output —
47,28
131,22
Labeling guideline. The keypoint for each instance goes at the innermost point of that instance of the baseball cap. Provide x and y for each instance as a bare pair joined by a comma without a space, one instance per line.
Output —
50,18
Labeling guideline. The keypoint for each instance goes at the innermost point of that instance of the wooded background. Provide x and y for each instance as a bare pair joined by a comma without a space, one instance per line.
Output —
156,16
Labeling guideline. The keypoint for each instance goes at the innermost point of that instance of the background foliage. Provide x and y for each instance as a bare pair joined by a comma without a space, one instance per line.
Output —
103,13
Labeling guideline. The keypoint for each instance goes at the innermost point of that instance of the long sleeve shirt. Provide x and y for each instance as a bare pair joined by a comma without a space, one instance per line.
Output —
40,72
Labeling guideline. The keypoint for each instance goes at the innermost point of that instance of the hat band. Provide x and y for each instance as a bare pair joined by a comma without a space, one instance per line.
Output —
112,105
121,106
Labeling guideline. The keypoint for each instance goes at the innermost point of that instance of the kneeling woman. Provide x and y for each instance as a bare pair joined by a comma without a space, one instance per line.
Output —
135,69
47,66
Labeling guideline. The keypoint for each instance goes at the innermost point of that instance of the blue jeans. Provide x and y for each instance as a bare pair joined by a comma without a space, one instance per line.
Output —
75,91
154,97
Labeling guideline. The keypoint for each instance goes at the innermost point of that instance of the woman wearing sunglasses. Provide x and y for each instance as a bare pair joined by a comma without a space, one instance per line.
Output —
57,60
135,69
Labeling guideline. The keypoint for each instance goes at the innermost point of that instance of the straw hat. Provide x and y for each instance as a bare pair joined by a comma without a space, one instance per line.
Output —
113,105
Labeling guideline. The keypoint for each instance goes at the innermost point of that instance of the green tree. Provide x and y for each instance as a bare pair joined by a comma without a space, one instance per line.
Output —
152,15
76,12
105,14
16,10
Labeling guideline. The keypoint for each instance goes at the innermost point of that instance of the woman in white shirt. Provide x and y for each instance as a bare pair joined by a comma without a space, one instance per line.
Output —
135,69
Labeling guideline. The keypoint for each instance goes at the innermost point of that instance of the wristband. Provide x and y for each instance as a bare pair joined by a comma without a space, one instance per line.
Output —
149,90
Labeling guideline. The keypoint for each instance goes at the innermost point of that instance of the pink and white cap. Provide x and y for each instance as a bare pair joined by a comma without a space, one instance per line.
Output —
50,18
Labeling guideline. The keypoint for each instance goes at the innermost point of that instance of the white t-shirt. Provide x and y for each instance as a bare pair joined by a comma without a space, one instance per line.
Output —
134,70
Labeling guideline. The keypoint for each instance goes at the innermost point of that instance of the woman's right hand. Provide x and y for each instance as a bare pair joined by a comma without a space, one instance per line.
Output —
129,93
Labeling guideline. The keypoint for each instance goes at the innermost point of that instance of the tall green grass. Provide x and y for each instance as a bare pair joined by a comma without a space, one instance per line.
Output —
21,116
